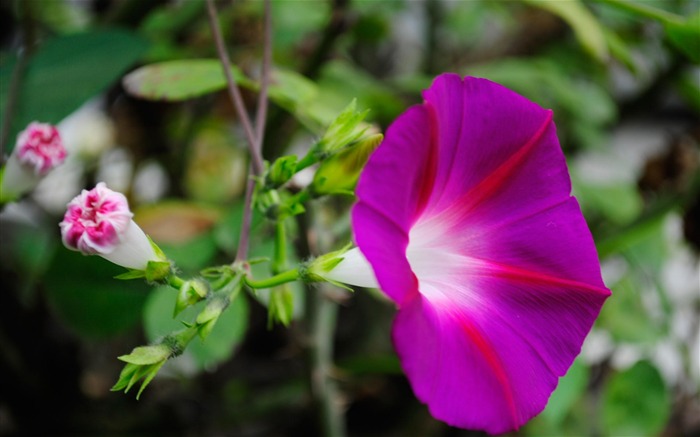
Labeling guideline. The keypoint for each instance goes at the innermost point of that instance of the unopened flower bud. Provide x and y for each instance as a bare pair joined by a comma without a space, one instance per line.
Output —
99,222
343,131
281,171
190,293
339,173
38,150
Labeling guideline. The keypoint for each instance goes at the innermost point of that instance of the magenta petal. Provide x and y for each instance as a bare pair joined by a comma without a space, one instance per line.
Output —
465,214
493,365
381,227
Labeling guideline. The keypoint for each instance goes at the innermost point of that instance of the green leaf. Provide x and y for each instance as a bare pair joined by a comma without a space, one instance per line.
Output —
180,80
572,386
619,202
82,291
624,315
186,79
686,36
588,30
636,402
219,345
65,72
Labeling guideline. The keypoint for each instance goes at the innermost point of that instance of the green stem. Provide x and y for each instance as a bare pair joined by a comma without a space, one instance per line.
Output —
282,278
175,281
645,11
279,263
178,341
307,161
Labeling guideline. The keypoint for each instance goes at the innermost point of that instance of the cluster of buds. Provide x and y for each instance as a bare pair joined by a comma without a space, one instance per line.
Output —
38,150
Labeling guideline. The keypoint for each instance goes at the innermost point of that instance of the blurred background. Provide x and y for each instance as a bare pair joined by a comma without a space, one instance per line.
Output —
624,85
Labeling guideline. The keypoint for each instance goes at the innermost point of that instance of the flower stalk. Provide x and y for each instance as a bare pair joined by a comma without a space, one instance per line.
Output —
279,279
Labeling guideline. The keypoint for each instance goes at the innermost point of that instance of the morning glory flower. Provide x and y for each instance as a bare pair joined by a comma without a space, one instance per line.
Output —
466,217
99,222
38,150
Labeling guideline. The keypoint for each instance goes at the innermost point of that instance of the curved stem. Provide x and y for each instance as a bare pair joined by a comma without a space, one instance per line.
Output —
234,93
261,114
282,278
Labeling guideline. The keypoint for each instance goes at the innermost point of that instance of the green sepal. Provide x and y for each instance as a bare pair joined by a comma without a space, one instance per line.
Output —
158,251
210,314
157,271
4,196
131,274
144,355
281,306
315,270
132,373
152,372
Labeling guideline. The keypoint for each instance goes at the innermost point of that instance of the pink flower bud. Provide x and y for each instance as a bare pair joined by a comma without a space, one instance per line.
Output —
40,148
99,222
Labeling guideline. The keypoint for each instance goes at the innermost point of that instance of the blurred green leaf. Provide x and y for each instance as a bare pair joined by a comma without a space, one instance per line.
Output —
572,386
588,30
688,86
65,72
636,402
617,202
218,347
624,315
341,82
185,79
82,292
215,167
686,36
180,80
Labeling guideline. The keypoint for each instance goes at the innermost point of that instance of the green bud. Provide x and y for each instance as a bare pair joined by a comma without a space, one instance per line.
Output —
277,205
344,130
190,293
339,173
281,171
